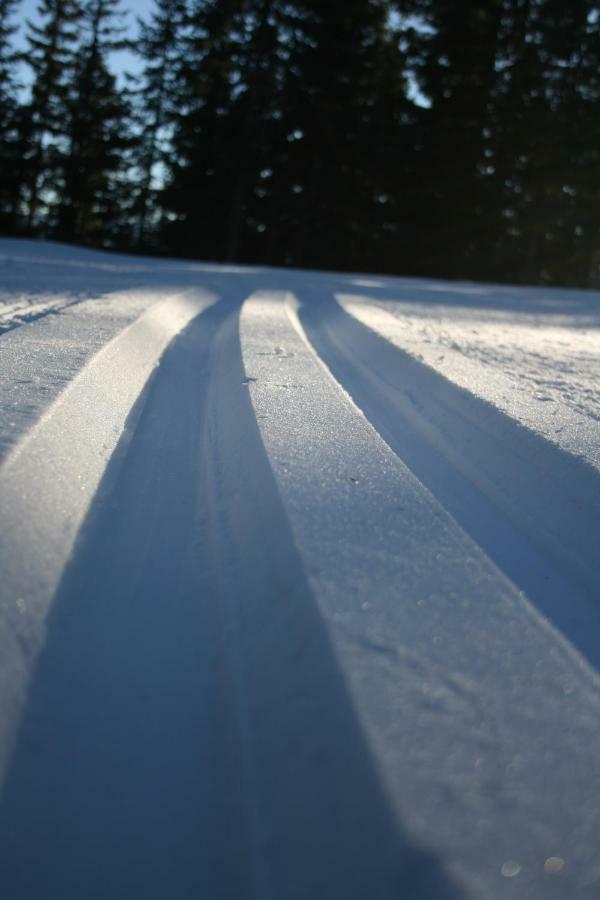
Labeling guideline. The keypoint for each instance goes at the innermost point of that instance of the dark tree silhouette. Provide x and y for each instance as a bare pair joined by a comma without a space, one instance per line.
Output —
160,46
208,148
51,58
9,117
427,137
96,131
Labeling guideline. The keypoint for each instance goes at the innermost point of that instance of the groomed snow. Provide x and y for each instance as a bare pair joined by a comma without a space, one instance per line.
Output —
299,584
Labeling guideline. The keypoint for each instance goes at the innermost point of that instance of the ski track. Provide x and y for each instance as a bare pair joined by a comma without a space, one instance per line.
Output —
490,471
299,585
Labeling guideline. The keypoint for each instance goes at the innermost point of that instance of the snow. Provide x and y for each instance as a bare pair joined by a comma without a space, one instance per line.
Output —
299,588
50,478
528,504
541,369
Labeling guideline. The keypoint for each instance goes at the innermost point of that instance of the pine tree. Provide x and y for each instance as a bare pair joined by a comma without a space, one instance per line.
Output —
281,131
510,138
453,49
546,151
257,108
335,169
159,45
206,141
396,127
284,149
8,60
50,57
9,115
96,132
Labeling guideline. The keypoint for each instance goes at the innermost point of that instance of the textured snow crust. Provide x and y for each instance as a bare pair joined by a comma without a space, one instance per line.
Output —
299,584
541,368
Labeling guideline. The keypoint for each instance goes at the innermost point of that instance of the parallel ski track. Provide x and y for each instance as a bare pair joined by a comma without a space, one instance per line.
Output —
172,723
226,748
491,474
14,315
50,478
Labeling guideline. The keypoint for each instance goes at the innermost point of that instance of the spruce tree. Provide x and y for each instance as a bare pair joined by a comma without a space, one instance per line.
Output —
159,44
51,57
206,140
9,117
284,147
510,138
8,61
257,109
97,133
453,49
341,120
546,139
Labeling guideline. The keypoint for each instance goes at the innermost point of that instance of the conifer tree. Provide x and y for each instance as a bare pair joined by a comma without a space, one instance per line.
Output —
51,57
257,108
8,60
207,149
337,130
453,47
9,109
546,151
286,134
281,131
513,124
159,44
96,131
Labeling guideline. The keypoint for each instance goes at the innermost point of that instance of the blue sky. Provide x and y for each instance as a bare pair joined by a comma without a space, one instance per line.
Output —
125,61
120,61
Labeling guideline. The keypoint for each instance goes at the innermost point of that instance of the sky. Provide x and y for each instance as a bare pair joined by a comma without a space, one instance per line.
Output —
121,61
128,62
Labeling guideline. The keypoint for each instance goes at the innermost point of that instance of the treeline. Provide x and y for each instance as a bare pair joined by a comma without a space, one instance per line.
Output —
425,137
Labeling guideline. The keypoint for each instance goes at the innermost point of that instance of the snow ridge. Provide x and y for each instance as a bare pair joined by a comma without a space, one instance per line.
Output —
49,480
298,592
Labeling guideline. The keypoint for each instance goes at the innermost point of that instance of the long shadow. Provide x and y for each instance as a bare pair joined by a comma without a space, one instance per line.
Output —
188,731
524,501
582,307
116,734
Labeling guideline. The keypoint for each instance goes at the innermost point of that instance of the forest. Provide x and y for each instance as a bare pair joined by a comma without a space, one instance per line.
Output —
433,138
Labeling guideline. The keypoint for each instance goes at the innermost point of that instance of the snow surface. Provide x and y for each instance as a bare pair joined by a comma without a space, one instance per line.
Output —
299,584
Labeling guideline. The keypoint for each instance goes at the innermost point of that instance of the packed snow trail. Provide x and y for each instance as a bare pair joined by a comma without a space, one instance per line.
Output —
490,472
44,504
288,612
